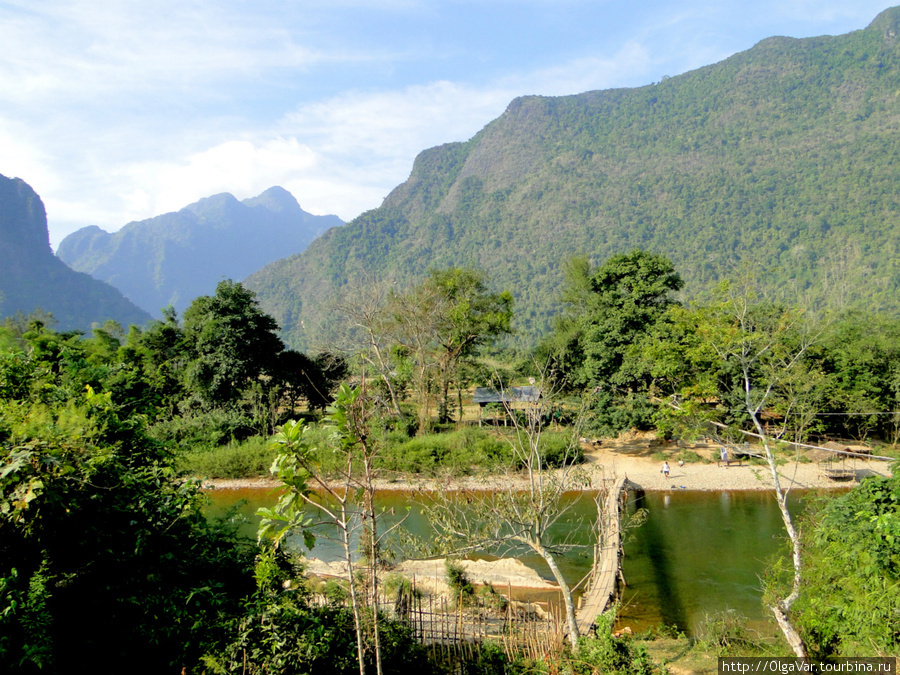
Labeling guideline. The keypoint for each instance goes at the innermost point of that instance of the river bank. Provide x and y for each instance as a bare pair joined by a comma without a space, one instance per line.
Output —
640,458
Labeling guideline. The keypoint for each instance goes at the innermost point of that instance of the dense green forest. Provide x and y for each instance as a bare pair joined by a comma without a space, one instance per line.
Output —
107,555
781,158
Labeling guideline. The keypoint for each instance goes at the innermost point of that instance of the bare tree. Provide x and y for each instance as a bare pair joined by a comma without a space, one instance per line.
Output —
768,345
517,509
367,331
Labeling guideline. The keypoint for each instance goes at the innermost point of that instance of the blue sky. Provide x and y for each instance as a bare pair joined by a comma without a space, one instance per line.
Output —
119,110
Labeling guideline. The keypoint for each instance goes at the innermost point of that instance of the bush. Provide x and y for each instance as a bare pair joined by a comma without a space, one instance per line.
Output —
458,581
608,654
725,633
461,452
249,459
196,429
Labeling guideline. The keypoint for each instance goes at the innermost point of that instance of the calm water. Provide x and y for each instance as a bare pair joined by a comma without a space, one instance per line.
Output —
698,553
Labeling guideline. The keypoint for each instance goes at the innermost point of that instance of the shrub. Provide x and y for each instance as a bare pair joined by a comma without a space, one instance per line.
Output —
689,456
608,654
724,633
460,451
458,581
249,459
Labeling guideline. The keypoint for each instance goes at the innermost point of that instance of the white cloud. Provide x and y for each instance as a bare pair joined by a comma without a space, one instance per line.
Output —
20,158
87,48
243,167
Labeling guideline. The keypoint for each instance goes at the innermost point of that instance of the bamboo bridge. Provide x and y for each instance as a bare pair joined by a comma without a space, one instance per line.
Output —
603,585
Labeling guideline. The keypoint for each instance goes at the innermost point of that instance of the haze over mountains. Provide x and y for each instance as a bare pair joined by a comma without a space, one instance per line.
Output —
781,159
175,257
31,277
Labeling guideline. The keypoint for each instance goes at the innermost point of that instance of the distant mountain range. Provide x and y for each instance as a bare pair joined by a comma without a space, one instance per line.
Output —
781,160
175,257
32,278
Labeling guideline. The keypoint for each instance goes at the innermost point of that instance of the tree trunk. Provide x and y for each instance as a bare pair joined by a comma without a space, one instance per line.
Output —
782,609
568,601
790,633
354,594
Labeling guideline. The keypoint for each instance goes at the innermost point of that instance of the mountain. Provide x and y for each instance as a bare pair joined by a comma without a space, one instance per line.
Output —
781,159
31,277
175,257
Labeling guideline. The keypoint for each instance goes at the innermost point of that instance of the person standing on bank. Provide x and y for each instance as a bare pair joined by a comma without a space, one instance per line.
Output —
665,469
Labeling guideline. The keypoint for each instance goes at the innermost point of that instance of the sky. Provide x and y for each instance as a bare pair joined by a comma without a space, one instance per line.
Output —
120,110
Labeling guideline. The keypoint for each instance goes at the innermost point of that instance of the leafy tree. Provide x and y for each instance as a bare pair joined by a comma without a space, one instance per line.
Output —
312,380
468,317
443,321
233,343
628,295
610,310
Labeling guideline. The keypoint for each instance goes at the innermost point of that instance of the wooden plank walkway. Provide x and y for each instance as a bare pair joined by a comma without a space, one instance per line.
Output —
602,589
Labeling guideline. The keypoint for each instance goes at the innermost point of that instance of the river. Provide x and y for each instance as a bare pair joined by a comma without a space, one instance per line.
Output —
697,553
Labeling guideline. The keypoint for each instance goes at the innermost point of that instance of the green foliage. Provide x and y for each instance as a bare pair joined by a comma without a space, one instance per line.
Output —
232,343
291,468
461,452
104,555
610,311
605,653
459,581
245,459
850,601
556,450
281,632
726,634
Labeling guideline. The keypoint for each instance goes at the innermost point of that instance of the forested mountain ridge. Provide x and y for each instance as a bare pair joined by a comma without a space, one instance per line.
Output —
781,157
173,258
32,278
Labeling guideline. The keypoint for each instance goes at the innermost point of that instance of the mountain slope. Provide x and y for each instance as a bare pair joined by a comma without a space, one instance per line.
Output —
781,158
175,257
31,277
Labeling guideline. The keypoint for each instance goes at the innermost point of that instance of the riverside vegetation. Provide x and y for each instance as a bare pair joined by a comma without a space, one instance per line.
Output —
106,555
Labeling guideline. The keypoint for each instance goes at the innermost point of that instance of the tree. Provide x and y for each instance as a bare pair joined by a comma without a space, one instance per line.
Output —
760,354
468,317
442,321
609,310
234,345
104,555
367,332
313,380
508,515
629,293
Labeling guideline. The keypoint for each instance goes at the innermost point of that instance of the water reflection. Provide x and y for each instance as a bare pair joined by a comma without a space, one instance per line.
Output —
697,554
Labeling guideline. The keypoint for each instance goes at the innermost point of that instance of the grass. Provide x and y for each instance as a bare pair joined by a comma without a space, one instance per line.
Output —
246,459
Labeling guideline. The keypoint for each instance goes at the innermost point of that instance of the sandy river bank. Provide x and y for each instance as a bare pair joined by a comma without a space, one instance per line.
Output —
637,458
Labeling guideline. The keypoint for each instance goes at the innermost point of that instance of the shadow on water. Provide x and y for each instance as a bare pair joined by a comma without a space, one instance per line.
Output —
655,548
698,553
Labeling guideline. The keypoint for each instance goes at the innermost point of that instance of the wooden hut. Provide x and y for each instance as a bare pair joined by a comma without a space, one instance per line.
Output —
484,396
